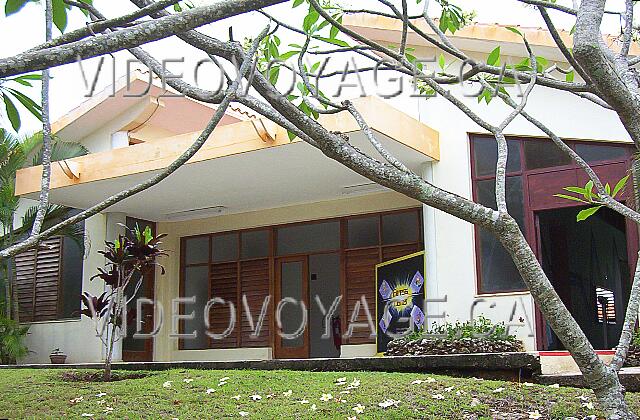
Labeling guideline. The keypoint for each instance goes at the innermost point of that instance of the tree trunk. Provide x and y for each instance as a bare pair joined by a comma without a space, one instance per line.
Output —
109,358
602,379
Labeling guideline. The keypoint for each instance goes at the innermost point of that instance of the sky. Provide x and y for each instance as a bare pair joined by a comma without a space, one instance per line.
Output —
26,30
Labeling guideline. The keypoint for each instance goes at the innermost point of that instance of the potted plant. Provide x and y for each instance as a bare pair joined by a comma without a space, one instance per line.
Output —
57,357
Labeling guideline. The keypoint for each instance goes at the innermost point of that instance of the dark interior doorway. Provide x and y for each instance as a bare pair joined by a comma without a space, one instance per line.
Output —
587,263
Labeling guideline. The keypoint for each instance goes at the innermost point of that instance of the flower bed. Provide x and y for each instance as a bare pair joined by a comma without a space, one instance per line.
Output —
475,336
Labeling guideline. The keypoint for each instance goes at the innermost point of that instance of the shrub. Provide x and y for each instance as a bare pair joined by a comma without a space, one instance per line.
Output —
12,345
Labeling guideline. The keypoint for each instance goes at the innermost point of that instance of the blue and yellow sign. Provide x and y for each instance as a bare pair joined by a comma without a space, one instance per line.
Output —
400,297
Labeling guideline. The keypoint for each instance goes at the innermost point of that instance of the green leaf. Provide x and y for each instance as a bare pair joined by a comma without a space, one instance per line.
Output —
291,135
588,191
570,76
441,61
288,55
333,41
14,6
12,113
569,197
60,14
310,19
576,190
514,30
177,8
607,188
586,213
28,103
620,185
494,57
297,3
333,32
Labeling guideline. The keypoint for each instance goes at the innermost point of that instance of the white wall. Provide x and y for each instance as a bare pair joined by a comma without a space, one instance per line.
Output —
75,337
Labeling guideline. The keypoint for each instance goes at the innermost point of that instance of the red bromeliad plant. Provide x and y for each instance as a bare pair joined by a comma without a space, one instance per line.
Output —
126,256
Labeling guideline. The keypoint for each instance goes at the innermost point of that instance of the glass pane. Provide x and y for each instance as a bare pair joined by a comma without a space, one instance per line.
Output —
498,272
485,156
225,247
255,244
196,250
305,238
400,228
291,314
362,231
71,278
196,283
543,154
599,152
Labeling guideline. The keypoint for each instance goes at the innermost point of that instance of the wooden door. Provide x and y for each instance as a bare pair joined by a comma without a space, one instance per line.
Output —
138,349
292,330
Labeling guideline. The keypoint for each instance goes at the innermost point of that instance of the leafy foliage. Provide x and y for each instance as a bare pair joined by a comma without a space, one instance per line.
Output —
13,99
587,195
479,327
12,336
60,10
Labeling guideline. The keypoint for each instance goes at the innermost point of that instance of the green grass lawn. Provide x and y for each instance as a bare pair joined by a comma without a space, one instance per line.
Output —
183,394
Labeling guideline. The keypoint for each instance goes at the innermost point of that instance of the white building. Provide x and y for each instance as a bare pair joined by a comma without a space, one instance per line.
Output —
255,214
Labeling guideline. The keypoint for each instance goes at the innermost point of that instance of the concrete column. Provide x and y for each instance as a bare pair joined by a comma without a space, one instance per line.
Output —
434,309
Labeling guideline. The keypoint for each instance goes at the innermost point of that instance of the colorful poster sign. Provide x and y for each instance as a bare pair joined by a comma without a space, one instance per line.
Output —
400,297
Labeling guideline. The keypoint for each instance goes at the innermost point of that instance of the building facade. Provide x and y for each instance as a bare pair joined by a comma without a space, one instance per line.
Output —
255,219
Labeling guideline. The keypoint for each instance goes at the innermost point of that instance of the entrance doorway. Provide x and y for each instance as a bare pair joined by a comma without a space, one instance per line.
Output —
307,278
587,262
136,349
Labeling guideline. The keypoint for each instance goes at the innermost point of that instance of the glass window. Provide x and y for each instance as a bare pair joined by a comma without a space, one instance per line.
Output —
196,283
543,154
485,156
255,244
362,231
400,228
71,278
600,152
225,247
498,272
196,250
305,238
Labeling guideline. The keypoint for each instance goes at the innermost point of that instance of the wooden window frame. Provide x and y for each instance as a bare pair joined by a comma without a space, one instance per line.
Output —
529,215
272,256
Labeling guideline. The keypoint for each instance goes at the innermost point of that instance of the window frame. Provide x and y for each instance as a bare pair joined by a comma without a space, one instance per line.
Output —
272,256
524,172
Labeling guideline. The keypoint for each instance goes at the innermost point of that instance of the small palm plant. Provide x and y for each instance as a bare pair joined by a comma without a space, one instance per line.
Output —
126,256
17,153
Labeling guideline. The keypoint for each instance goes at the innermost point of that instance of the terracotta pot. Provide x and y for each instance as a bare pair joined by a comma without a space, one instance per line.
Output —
58,359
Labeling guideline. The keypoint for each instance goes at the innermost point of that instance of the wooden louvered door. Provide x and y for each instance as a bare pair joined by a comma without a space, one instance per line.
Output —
254,286
38,281
292,282
223,285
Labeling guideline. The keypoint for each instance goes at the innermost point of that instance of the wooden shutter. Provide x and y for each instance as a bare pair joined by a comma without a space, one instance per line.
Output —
38,280
360,281
254,284
396,251
224,284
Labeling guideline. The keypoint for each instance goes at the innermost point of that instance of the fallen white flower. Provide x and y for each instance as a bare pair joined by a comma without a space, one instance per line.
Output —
243,413
236,397
438,397
76,400
498,390
210,391
101,394
352,418
534,415
417,382
314,407
326,397
554,386
588,405
187,381
255,397
226,378
459,393
527,384
388,403
359,409
167,384
108,409
270,395
304,401
100,402
448,389
341,380
86,415
583,398
430,380
287,393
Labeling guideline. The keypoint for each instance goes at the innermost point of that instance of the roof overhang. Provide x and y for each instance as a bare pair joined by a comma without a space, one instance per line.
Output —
242,166
477,37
